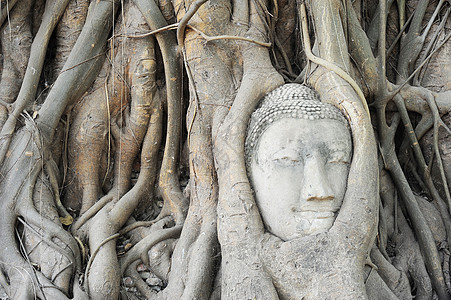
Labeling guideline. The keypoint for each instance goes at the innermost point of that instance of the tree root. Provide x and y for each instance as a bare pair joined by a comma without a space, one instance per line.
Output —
91,212
51,170
20,203
4,14
25,281
184,22
196,249
424,235
53,12
395,279
16,52
329,65
139,283
410,260
425,171
73,82
49,241
139,250
67,31
446,268
226,79
144,122
174,201
52,232
126,205
238,216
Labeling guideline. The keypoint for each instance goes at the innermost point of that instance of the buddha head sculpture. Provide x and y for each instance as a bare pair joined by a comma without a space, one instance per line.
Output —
298,153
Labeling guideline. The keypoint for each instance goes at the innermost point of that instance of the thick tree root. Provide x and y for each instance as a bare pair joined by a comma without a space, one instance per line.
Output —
174,201
19,204
139,250
16,41
53,12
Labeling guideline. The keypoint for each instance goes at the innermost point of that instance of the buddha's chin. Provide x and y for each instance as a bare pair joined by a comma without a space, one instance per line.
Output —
312,225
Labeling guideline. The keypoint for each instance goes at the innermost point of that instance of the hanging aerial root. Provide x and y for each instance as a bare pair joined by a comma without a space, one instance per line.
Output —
4,13
329,65
73,82
413,41
422,101
425,171
433,41
229,37
437,123
174,201
53,11
424,235
125,206
194,7
51,169
16,39
401,86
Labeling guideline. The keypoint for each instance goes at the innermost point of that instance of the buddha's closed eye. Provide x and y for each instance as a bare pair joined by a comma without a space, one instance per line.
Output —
287,157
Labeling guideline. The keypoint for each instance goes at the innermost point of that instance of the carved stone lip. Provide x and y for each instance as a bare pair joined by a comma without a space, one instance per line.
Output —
316,213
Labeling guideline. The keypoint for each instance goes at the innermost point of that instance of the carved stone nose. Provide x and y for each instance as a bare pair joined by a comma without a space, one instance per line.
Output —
316,183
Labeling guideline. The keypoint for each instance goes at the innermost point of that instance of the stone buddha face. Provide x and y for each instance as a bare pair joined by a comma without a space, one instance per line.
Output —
298,162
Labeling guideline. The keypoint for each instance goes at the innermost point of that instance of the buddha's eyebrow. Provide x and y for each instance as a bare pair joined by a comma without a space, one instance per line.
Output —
288,144
336,146
286,150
